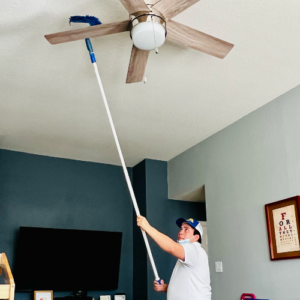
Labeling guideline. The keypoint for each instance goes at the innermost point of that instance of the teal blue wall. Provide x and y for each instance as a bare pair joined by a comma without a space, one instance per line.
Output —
60,193
248,164
140,258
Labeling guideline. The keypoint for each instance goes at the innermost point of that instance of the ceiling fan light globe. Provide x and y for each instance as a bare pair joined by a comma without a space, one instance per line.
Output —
148,35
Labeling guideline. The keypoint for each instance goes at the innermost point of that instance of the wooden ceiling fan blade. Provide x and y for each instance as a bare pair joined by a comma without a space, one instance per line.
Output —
171,8
133,6
137,65
197,40
87,32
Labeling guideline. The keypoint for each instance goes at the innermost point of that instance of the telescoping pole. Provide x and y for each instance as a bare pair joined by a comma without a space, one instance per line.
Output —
136,208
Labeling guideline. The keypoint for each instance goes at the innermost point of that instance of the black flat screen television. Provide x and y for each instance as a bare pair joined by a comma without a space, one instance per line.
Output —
65,259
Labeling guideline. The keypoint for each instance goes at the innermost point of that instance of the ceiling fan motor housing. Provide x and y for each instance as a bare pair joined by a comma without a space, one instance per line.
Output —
148,30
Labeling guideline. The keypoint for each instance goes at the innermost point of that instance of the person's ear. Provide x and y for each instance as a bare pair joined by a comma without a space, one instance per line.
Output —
198,237
195,238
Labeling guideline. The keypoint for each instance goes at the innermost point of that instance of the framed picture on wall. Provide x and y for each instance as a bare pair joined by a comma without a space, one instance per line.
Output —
284,228
43,295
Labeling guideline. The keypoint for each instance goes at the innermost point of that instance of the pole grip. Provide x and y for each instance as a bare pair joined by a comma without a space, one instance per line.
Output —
89,45
90,49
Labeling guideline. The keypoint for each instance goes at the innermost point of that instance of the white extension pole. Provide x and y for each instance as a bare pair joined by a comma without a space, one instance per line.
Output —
125,170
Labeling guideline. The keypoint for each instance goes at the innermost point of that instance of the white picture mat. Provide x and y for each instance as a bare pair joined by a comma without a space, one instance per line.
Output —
43,295
286,234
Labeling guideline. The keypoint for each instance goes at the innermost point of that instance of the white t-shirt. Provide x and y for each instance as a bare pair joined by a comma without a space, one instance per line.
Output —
190,279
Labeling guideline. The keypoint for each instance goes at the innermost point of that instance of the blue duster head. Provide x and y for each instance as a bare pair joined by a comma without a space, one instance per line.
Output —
85,19
92,21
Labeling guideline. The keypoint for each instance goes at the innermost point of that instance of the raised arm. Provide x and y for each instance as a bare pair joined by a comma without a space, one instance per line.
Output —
163,241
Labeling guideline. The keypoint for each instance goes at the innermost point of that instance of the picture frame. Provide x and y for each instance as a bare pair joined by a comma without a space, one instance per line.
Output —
43,295
283,226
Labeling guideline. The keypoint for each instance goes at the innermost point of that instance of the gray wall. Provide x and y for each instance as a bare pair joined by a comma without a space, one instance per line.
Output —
250,163
51,192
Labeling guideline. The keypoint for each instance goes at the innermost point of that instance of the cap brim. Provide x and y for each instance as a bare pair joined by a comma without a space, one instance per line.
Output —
180,221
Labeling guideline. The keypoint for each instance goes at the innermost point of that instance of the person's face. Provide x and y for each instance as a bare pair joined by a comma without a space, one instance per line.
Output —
186,232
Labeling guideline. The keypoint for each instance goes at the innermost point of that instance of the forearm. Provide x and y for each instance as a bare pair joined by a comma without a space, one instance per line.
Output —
163,241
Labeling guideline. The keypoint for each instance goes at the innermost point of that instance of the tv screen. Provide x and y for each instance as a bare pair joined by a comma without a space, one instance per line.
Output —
65,260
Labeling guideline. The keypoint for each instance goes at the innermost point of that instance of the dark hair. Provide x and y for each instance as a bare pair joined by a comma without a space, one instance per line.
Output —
197,232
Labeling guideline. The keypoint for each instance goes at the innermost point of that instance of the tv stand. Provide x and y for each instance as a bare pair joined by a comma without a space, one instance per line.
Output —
77,295
71,297
80,293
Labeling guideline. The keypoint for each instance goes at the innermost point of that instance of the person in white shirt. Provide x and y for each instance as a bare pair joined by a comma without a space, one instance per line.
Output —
190,279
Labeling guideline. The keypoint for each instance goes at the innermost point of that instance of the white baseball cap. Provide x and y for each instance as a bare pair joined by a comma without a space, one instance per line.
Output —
194,223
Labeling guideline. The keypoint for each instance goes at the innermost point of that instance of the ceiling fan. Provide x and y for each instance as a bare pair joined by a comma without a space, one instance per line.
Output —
149,25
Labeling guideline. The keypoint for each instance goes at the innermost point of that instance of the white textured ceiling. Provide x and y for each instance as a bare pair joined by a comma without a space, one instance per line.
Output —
49,98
